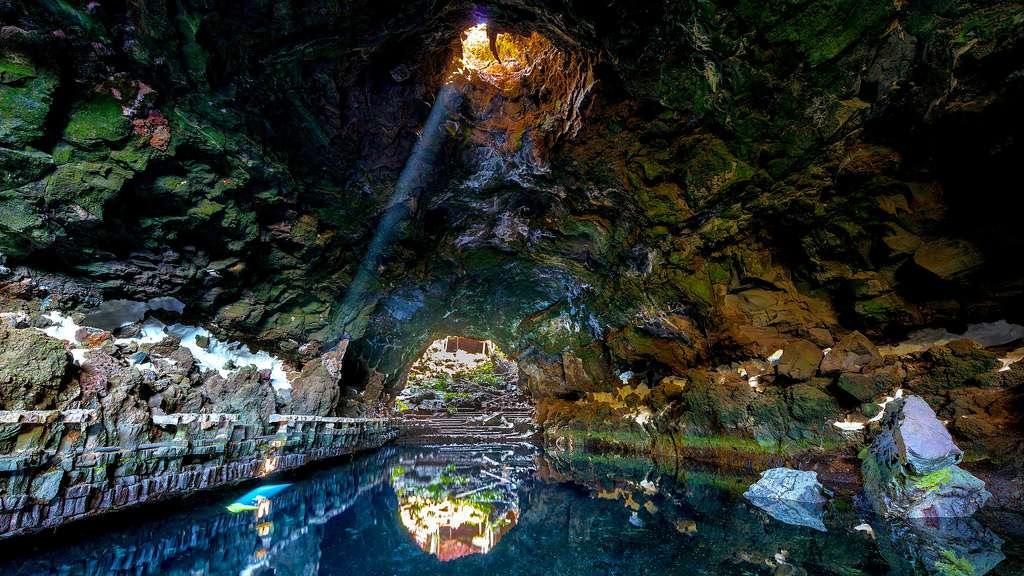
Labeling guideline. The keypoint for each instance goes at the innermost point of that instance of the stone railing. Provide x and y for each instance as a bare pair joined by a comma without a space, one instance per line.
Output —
55,466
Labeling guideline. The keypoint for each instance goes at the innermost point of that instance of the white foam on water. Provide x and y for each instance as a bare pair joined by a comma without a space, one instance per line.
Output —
215,357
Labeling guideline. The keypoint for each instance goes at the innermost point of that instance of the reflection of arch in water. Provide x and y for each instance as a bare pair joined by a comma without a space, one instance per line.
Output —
460,503
449,527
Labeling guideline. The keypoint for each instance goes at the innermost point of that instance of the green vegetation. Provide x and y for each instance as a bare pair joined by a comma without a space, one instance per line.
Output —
397,472
934,480
449,396
953,565
97,121
483,375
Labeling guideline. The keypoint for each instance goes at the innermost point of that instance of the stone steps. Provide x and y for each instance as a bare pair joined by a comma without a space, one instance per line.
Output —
467,428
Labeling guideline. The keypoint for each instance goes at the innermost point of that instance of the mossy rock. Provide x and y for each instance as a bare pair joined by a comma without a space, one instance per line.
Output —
710,170
885,310
664,204
955,365
97,121
15,68
87,184
862,387
205,211
24,103
22,229
810,404
821,29
19,167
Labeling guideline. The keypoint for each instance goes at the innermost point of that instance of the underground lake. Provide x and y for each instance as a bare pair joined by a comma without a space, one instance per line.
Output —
505,509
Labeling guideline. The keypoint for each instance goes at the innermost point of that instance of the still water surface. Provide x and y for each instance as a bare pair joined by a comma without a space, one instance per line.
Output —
503,510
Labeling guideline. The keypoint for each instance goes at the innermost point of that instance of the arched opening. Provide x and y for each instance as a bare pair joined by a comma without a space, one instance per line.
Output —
464,390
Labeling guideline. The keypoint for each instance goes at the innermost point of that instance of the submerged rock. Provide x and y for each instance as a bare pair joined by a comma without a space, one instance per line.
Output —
943,546
790,496
910,470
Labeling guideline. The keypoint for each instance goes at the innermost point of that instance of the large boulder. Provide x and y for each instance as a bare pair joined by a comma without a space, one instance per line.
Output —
925,444
853,353
948,259
246,392
317,389
790,496
910,469
33,369
799,360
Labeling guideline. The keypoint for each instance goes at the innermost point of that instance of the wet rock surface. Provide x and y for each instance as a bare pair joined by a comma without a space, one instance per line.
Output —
790,496
910,470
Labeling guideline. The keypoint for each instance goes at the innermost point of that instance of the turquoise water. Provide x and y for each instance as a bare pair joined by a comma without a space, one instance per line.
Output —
503,510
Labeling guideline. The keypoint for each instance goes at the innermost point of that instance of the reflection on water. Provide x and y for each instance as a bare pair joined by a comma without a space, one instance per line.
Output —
456,503
505,510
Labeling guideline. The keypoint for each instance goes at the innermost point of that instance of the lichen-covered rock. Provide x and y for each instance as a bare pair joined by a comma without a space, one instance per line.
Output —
910,469
33,369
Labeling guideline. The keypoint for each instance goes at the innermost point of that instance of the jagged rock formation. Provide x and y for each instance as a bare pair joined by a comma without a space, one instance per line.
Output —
667,222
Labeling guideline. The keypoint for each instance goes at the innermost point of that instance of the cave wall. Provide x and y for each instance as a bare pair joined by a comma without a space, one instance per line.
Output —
741,179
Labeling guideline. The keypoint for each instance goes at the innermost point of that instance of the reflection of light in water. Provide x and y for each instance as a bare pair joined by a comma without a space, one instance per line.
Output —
451,528
262,507
256,498
269,465
264,529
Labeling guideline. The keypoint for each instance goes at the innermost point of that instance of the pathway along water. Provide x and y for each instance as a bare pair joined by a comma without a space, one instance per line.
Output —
495,510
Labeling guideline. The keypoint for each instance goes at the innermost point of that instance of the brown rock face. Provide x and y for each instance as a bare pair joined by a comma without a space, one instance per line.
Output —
853,353
799,360
948,259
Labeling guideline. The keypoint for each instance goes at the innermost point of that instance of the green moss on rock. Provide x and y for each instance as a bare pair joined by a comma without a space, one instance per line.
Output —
19,167
21,227
97,121
25,104
87,184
